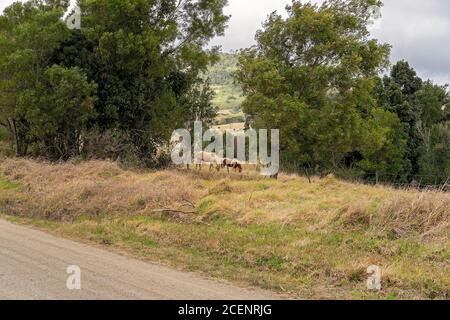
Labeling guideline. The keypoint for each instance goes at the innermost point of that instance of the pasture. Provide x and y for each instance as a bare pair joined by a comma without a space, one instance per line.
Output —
304,240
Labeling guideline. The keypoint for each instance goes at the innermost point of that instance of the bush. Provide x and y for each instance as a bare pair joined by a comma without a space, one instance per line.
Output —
5,143
3,134
435,161
114,145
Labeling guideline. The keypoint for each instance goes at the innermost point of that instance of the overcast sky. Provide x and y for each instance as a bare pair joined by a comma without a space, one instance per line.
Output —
418,30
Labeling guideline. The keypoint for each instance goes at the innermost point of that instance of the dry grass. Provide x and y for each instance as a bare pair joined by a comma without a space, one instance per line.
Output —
310,240
67,191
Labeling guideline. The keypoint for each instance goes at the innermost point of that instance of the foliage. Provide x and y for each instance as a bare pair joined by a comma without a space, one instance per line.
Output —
398,95
314,76
198,100
25,49
434,104
148,57
3,133
139,69
221,73
420,105
385,145
112,144
311,75
144,56
58,111
435,160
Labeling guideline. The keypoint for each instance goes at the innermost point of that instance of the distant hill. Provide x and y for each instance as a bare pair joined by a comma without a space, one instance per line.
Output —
221,72
228,97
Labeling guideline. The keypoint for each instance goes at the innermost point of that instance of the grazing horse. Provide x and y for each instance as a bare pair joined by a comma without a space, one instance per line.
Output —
232,163
207,158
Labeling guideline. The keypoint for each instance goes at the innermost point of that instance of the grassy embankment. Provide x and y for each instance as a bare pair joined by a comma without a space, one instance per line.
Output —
303,240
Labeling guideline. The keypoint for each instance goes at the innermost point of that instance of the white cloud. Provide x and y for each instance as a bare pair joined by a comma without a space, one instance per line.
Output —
419,32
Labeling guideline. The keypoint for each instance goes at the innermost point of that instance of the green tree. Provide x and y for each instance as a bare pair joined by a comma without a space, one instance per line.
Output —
198,100
433,101
312,75
147,57
397,94
435,160
58,110
385,146
29,33
420,105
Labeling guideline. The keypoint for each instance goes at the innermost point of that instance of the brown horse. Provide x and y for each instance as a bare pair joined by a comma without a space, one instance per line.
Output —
232,163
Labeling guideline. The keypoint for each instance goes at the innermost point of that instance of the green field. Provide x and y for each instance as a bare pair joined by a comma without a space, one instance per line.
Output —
229,96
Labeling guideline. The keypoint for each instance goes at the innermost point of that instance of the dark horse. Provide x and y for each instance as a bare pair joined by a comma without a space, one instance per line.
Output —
232,163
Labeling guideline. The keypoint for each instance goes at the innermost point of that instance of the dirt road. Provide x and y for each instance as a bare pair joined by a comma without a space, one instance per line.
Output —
33,265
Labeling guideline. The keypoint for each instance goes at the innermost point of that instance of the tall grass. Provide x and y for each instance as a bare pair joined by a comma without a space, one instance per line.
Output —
65,191
304,239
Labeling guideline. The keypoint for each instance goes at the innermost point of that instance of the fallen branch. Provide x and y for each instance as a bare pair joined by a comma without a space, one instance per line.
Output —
172,211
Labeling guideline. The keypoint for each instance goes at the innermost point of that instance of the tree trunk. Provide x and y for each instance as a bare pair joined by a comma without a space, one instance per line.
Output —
19,140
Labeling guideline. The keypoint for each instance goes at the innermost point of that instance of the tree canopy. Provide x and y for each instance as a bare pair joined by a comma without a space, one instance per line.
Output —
136,62
315,76
311,75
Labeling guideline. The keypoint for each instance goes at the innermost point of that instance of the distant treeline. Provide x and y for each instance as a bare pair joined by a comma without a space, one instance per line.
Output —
222,72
